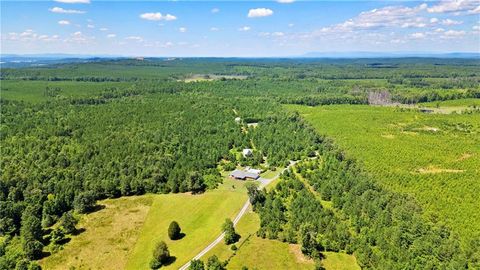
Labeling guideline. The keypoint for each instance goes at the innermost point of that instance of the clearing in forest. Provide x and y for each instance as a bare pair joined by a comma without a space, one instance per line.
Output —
108,235
405,163
199,216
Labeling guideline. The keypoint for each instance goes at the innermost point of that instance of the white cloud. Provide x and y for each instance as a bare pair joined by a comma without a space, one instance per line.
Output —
418,35
259,12
91,26
454,6
157,16
29,35
449,22
291,25
453,33
103,29
166,44
285,1
214,29
244,28
135,38
111,35
433,20
182,29
386,17
66,11
475,11
64,22
73,1
476,27
273,34
79,37
215,10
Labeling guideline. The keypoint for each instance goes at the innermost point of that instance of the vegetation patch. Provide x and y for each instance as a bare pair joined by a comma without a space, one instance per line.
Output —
199,216
107,236
358,130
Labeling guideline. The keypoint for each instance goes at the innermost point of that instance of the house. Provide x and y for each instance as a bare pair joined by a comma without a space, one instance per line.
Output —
247,152
243,175
255,171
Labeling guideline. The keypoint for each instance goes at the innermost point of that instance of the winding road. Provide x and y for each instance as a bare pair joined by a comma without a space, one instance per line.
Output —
263,183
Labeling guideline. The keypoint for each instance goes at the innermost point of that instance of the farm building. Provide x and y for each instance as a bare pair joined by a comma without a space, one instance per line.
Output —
247,152
243,175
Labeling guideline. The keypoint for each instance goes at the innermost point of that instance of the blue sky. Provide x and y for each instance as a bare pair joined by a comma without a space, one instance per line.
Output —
238,28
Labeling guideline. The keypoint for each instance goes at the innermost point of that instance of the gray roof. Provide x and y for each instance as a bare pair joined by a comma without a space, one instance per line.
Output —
239,174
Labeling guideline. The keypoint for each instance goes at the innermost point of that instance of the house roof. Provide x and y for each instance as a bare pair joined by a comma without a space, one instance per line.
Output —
239,174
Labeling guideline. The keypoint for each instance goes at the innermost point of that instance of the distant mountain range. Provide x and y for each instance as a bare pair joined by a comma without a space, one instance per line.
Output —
390,54
26,60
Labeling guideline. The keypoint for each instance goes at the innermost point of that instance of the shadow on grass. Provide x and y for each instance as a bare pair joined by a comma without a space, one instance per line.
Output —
44,254
169,261
96,208
78,231
180,236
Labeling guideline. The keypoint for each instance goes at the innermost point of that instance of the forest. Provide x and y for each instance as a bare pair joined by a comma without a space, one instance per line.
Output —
74,133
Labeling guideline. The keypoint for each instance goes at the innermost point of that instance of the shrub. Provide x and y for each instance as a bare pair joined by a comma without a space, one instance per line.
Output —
230,235
160,255
214,263
174,231
84,202
68,223
196,265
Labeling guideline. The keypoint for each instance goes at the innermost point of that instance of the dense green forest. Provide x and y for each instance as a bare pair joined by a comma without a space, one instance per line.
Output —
75,133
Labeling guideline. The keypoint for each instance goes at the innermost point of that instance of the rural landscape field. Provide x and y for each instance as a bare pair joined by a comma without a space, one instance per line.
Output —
263,151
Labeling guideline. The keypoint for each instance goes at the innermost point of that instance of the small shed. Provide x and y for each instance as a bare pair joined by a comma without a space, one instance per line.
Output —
238,119
247,152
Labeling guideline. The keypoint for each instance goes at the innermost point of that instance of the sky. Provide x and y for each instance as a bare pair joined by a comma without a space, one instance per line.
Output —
238,28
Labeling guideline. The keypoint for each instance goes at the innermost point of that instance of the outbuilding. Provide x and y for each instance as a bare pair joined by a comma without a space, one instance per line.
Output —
247,152
243,175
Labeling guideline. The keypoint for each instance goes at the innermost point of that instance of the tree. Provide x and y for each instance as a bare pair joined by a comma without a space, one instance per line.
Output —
196,265
257,197
57,236
68,223
84,202
196,183
160,255
32,248
214,263
230,235
174,231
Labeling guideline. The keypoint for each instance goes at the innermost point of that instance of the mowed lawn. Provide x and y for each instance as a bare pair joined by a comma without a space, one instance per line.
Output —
423,155
199,216
108,238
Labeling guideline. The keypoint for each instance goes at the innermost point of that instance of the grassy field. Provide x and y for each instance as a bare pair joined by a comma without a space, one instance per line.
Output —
199,216
109,236
469,102
257,253
415,153
340,261
34,91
